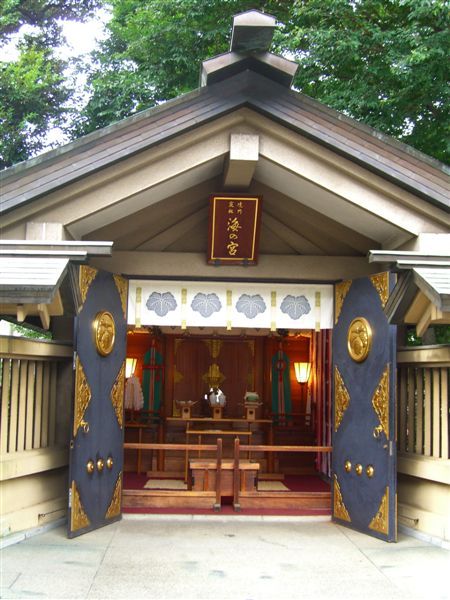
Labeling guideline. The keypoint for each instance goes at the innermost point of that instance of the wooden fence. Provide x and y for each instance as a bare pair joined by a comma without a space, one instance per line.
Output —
28,381
423,401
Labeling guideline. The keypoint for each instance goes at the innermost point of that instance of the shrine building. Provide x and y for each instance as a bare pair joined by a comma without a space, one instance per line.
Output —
248,296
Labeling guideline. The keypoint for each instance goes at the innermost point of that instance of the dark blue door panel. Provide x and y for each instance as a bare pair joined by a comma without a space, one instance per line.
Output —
364,453
96,454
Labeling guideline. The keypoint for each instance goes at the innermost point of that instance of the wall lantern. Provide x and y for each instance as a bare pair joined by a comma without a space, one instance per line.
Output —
130,366
302,371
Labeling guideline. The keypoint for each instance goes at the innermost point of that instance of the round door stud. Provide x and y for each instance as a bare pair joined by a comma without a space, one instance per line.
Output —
370,471
347,466
109,462
358,469
90,466
100,464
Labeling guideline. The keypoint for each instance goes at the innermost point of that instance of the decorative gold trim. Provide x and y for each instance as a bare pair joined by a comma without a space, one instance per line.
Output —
339,509
82,396
78,516
176,345
122,288
214,347
117,392
104,328
380,400
341,398
213,377
229,307
138,307
177,376
86,277
380,522
340,291
115,504
381,284
317,308
273,311
359,339
183,308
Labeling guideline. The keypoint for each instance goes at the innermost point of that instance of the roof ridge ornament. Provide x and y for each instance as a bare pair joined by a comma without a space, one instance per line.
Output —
252,32
249,51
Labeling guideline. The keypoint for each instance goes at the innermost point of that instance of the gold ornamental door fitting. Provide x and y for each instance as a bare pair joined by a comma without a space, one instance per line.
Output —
109,462
358,469
84,426
347,466
90,466
370,471
104,331
100,465
377,431
359,339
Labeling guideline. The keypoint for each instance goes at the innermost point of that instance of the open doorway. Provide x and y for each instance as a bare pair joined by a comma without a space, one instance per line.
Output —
267,403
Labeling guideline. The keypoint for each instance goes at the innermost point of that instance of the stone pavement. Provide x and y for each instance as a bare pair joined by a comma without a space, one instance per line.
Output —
214,557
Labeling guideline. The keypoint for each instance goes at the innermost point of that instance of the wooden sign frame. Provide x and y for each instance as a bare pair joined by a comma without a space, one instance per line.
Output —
234,228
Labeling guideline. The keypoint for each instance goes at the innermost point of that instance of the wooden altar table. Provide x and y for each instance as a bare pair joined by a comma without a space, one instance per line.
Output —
202,476
210,423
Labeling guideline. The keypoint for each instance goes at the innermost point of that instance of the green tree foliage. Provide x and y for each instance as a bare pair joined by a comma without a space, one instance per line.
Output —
32,97
383,62
34,91
154,53
43,14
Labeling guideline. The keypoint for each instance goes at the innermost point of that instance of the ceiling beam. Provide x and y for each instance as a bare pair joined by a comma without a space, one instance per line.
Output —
166,238
297,242
240,165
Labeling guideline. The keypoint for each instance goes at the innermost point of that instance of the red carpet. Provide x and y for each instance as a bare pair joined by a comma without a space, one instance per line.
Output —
295,483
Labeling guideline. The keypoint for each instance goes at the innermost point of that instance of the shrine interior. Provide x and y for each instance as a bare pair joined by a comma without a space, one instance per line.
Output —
277,392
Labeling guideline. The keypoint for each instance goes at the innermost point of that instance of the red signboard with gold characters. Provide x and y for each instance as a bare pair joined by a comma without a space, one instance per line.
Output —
234,223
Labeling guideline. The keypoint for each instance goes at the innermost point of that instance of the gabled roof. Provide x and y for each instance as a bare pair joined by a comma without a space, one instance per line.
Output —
422,293
386,157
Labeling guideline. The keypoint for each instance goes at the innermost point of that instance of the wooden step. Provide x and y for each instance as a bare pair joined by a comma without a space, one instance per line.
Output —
285,500
187,500
167,499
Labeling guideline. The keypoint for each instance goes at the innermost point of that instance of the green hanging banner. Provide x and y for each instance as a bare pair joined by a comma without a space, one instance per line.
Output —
152,379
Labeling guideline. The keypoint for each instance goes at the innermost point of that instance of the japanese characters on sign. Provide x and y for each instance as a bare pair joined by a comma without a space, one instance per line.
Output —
234,229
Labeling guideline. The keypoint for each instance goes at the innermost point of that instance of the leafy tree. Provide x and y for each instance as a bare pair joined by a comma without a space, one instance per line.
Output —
42,14
32,97
383,62
154,53
34,90
28,332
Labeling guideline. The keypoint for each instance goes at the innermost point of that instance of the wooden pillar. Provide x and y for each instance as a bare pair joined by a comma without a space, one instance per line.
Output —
236,478
218,502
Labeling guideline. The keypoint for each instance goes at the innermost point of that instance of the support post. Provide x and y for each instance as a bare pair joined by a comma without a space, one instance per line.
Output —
236,478
161,440
217,505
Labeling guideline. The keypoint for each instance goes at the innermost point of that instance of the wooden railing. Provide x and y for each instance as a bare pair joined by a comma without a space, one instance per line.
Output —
217,448
423,401
28,380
